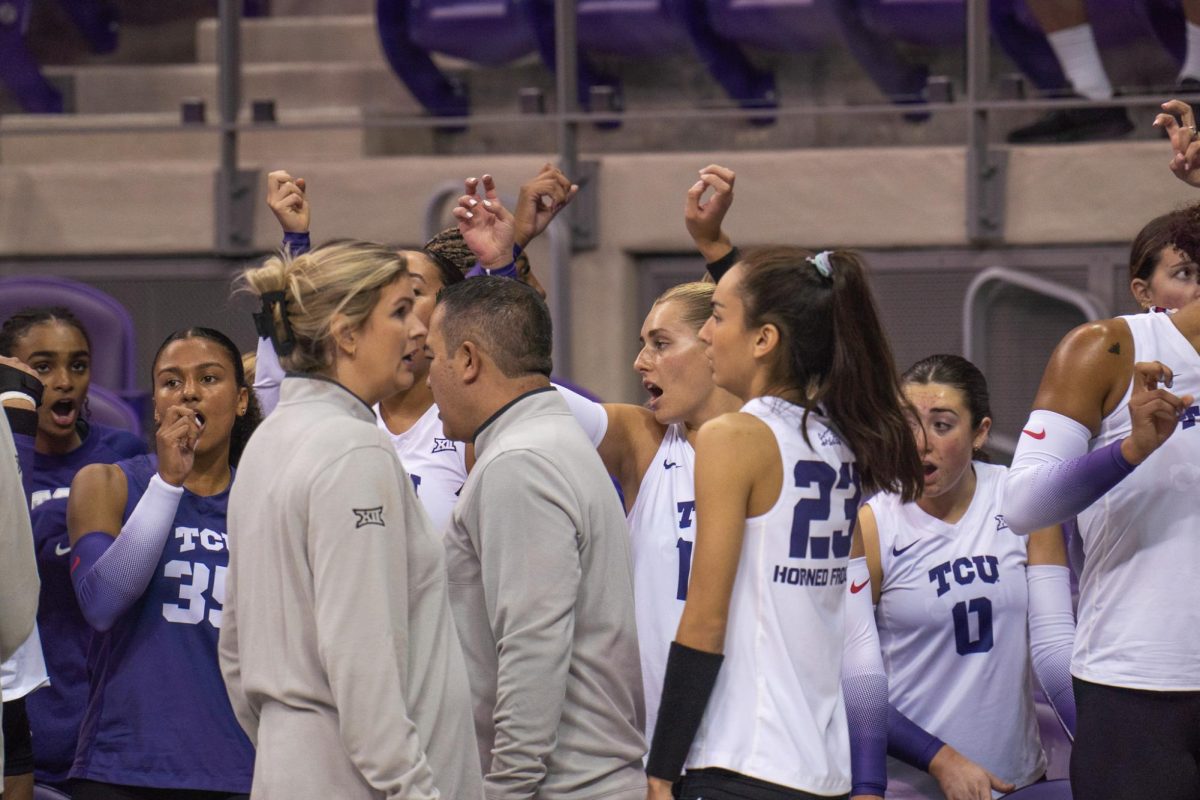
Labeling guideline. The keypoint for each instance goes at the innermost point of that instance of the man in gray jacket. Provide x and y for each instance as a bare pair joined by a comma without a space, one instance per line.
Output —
538,560
19,582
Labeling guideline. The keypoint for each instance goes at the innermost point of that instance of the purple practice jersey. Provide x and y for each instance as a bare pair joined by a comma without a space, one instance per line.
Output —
157,712
56,710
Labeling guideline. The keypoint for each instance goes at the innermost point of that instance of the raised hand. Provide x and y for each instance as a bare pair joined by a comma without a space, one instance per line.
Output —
487,227
176,437
1185,143
703,219
963,779
1153,411
539,202
285,197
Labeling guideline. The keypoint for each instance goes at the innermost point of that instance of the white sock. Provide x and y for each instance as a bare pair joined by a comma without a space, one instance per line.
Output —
1191,64
1077,53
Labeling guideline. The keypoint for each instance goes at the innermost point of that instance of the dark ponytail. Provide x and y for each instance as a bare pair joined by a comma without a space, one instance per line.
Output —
244,425
834,352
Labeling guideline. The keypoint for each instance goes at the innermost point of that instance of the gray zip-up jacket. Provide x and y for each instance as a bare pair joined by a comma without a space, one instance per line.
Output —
542,590
337,641
19,584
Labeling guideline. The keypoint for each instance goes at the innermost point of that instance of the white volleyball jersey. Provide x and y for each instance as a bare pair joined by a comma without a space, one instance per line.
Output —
662,526
437,465
1139,601
776,712
953,620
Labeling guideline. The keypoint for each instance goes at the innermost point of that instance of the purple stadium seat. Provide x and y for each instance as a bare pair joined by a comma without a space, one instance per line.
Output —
19,72
633,28
926,22
107,321
781,25
108,409
482,31
1046,790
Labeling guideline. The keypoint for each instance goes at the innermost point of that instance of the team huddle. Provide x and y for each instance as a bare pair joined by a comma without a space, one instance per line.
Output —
389,555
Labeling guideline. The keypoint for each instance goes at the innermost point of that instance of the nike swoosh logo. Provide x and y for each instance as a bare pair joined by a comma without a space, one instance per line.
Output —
903,550
855,588
59,550
669,464
1041,435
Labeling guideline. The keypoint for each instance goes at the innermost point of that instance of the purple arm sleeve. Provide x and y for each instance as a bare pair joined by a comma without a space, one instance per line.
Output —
100,603
1050,492
110,574
867,717
909,742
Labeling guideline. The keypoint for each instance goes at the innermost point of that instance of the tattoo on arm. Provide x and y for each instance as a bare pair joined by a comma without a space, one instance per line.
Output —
1115,349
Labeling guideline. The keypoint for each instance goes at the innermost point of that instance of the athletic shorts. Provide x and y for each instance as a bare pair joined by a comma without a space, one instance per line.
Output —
722,784
1133,744
18,743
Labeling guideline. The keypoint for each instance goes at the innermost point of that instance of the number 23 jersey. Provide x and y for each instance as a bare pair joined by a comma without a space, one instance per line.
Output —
953,628
157,712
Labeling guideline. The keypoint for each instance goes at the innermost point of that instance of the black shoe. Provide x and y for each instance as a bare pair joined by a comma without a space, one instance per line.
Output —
1075,125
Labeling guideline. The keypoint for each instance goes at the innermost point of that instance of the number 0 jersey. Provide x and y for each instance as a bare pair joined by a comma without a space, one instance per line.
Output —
954,631
662,528
158,714
777,712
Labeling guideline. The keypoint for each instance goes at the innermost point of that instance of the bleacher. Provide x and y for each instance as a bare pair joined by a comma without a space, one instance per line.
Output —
121,193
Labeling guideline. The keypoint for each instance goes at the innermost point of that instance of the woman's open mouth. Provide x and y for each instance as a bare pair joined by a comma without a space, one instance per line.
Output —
64,412
654,390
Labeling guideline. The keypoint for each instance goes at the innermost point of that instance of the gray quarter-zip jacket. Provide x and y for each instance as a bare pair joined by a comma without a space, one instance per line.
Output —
337,641
542,591
19,584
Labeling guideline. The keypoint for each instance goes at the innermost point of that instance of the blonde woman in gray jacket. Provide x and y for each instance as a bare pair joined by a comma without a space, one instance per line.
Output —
337,645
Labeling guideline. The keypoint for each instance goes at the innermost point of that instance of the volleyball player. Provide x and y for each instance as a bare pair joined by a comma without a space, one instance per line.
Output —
148,561
1112,439
649,450
55,345
795,336
960,603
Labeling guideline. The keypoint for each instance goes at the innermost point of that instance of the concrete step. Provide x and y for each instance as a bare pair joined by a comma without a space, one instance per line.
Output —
92,144
125,89
298,39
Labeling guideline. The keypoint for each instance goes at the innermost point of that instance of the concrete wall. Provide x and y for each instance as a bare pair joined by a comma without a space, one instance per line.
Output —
884,198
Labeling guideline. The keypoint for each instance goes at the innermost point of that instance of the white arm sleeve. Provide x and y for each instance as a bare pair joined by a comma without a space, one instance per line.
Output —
268,374
1052,637
1053,476
590,415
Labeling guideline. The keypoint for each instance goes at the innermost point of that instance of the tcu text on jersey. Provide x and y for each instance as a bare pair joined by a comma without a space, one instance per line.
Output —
201,587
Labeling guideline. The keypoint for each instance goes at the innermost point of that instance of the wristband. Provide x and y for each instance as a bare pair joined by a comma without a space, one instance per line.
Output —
509,270
723,264
20,381
296,244
690,678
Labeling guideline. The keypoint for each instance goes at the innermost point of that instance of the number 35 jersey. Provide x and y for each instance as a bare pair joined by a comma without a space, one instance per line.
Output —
777,712
953,628
157,712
